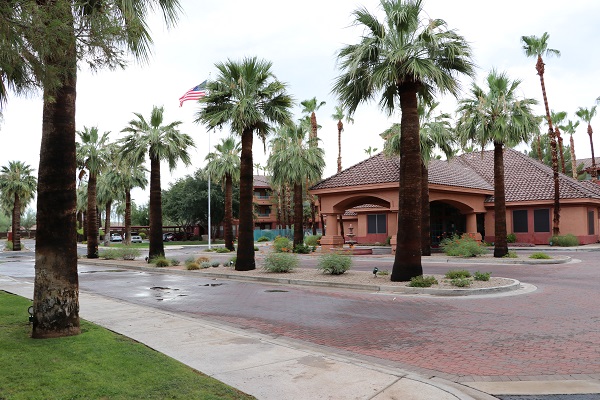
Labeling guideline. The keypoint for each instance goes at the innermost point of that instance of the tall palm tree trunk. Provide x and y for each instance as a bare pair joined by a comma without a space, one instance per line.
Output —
407,261
16,224
539,148
500,242
92,221
56,287
245,251
298,215
561,150
127,238
228,228
340,127
556,213
425,212
573,160
594,171
157,247
107,223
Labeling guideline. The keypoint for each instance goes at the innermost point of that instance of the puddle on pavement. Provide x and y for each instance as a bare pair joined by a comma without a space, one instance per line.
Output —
212,284
104,270
276,291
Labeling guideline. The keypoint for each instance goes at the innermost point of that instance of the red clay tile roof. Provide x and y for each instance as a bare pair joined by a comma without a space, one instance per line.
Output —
380,169
526,179
262,181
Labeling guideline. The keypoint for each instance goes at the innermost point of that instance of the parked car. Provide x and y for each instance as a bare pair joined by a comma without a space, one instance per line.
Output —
115,237
168,237
136,239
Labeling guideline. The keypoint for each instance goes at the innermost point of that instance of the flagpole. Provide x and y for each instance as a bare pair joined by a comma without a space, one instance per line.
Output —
209,226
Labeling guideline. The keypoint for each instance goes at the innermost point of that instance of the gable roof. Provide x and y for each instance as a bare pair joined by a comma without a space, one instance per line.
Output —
262,181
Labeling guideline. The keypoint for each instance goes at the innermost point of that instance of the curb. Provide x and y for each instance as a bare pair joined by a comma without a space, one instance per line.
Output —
514,285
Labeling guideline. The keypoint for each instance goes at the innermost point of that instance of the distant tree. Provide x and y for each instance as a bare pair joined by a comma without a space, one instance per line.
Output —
140,215
537,47
28,220
160,143
557,118
546,151
570,127
17,185
92,156
494,114
370,150
224,166
247,96
339,116
586,115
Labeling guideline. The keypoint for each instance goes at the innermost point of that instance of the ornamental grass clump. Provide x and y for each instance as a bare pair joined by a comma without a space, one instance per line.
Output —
281,244
422,281
159,262
460,282
482,276
312,240
458,273
280,262
568,240
540,256
334,263
465,246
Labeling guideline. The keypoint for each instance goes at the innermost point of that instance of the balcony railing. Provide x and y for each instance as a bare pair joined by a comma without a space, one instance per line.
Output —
262,197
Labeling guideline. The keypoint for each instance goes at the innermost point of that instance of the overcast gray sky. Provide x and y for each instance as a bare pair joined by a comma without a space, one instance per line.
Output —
301,39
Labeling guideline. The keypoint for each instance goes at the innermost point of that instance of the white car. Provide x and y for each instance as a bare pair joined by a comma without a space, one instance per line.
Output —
115,237
136,239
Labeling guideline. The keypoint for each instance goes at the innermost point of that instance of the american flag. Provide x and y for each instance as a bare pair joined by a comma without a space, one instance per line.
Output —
194,93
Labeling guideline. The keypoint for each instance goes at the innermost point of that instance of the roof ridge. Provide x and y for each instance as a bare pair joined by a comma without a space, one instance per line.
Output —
344,171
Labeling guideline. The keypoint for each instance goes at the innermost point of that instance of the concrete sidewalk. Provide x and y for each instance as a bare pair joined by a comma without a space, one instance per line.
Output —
263,366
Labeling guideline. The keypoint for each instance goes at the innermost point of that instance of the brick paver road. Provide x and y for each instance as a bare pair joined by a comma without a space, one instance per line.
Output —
550,333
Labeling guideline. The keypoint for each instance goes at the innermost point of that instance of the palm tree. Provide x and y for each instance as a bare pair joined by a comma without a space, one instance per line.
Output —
538,47
435,133
18,187
557,119
295,160
101,34
495,115
92,155
309,107
586,115
370,150
107,193
224,165
339,116
247,96
161,143
403,57
570,128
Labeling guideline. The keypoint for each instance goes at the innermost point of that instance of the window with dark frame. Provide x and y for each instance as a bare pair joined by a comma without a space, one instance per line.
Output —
541,220
520,223
591,224
376,223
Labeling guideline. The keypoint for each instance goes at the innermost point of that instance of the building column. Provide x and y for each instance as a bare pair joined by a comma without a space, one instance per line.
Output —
332,239
472,226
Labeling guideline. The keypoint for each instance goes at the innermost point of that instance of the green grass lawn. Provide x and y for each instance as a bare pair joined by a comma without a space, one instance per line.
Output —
97,364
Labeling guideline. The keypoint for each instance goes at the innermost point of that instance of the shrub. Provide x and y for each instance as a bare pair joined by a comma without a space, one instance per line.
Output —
222,250
192,266
205,264
540,256
256,248
565,241
189,260
230,263
334,263
312,240
482,276
214,264
108,254
461,282
282,244
159,262
464,246
511,238
302,249
143,235
280,262
383,272
510,254
388,241
422,281
174,262
202,259
458,273
129,253
8,245
263,239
